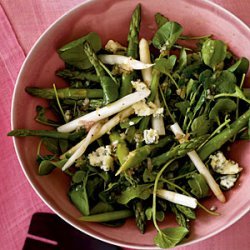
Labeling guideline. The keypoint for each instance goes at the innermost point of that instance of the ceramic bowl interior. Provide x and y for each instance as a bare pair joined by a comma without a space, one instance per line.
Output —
110,18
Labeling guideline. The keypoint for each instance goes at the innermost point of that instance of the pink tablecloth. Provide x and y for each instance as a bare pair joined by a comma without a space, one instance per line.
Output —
21,23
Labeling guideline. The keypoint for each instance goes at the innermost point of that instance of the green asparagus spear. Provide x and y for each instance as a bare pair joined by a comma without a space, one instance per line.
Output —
140,217
217,141
109,216
140,154
48,133
91,104
109,86
178,151
63,93
133,35
77,75
133,44
122,150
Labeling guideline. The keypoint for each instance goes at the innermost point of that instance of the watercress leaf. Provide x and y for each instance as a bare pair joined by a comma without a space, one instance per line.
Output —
47,166
191,86
73,53
148,176
63,145
183,106
191,70
167,35
182,62
160,216
79,197
198,186
140,191
200,125
225,82
130,122
213,52
170,237
92,186
240,67
41,117
160,19
78,176
165,65
223,105
187,211
101,207
51,145
110,89
206,78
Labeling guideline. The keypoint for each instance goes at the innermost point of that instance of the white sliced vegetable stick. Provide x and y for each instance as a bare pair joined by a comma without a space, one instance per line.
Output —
117,59
145,58
177,198
85,143
106,127
157,122
200,165
105,112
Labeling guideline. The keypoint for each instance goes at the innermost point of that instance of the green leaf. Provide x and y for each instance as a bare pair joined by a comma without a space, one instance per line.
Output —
170,237
79,197
51,144
41,117
110,89
225,82
148,175
63,145
140,191
160,215
47,166
191,86
130,122
200,125
160,19
165,65
224,106
198,186
180,218
167,35
78,176
101,207
213,52
183,106
187,211
182,62
73,53
240,67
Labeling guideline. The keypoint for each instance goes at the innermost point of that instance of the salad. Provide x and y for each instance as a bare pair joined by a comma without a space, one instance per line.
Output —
142,130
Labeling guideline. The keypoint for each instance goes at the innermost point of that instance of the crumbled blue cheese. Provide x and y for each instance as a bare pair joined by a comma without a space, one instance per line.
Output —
151,136
113,47
141,108
221,165
228,181
102,158
139,85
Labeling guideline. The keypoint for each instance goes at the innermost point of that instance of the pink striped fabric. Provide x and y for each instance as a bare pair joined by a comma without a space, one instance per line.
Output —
21,23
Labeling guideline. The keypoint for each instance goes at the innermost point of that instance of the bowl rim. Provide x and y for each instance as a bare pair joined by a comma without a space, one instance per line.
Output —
210,5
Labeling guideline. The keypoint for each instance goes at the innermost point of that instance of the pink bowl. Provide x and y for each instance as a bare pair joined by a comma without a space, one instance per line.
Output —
110,19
